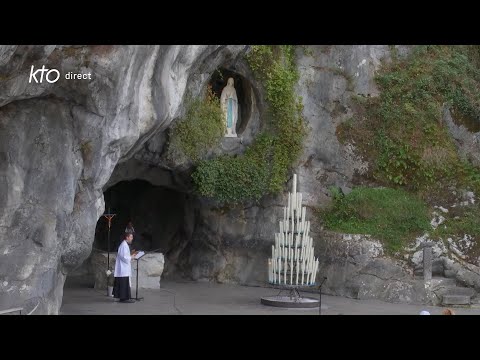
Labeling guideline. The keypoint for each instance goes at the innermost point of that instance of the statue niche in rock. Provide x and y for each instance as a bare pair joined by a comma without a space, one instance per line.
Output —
229,103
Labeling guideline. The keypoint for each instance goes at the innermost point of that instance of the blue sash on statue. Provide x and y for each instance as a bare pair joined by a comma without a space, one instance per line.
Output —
230,113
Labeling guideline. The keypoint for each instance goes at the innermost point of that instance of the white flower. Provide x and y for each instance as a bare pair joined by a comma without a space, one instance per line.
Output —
109,272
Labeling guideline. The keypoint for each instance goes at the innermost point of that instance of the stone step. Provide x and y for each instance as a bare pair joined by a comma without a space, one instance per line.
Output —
442,281
475,300
461,291
456,300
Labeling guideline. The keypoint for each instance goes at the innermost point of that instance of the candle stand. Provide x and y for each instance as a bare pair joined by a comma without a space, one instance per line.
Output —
291,297
292,265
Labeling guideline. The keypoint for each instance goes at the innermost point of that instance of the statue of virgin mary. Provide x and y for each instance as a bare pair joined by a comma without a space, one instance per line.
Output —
229,103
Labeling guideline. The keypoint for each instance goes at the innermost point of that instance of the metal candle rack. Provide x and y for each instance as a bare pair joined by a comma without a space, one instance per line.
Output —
293,265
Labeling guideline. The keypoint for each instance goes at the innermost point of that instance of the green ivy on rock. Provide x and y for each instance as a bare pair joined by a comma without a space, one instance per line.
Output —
199,130
263,168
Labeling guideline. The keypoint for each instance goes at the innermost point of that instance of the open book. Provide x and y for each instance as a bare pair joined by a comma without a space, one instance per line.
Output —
139,255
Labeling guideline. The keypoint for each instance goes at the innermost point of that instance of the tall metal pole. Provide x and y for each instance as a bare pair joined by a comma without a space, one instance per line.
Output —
109,217
320,296
108,246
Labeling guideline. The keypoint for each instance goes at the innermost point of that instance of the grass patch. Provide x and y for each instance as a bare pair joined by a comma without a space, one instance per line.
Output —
400,132
393,216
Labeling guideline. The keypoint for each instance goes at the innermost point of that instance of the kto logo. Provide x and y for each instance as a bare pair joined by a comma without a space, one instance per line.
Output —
51,78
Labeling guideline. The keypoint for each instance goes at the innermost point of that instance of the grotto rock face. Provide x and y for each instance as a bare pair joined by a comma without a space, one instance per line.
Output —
60,142
63,144
467,138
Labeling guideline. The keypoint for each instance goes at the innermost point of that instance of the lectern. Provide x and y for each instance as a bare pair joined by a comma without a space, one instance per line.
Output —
139,255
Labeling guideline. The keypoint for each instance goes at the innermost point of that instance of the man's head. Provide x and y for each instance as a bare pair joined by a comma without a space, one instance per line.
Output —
128,237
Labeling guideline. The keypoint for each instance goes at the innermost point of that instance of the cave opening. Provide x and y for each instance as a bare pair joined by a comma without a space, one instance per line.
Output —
156,212
244,94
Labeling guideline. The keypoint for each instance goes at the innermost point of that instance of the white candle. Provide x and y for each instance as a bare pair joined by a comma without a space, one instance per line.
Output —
276,274
291,271
293,223
313,272
297,271
269,271
304,210
303,270
294,190
289,203
284,213
314,269
285,273
273,252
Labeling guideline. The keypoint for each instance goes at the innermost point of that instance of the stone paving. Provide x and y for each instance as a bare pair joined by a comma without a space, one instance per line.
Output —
203,298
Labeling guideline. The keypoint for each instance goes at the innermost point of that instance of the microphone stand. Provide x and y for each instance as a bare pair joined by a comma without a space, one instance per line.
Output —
320,296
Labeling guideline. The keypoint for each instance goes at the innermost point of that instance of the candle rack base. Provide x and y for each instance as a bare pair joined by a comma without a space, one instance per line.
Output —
291,298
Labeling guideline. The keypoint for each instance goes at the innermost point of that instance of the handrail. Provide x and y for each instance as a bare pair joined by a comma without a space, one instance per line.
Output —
11,310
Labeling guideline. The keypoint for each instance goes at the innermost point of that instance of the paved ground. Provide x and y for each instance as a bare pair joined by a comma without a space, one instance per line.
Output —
198,298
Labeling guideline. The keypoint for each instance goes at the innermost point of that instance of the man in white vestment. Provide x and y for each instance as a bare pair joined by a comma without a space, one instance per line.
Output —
123,270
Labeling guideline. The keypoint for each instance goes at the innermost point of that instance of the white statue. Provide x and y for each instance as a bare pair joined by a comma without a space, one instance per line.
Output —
229,103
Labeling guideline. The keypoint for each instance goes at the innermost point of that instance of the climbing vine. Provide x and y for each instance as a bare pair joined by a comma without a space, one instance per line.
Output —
199,130
263,168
